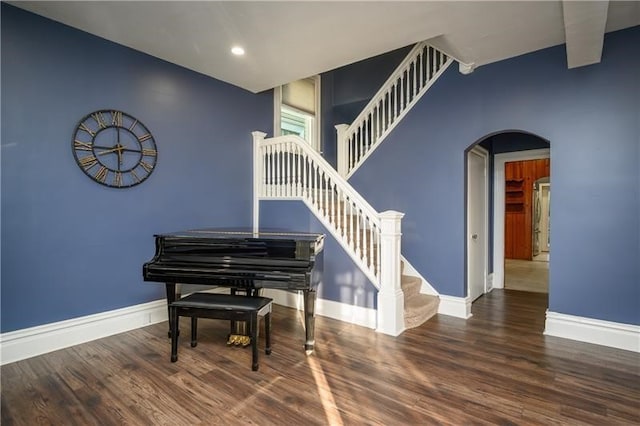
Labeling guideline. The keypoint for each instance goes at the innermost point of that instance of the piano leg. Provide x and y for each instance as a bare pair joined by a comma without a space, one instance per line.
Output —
309,319
171,297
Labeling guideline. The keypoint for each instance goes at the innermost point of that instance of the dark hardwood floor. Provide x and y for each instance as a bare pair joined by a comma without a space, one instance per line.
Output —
495,368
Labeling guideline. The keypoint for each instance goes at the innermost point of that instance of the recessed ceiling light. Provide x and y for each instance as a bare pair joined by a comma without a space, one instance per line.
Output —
237,50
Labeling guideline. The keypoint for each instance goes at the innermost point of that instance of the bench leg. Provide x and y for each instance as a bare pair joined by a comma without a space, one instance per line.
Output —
173,315
194,332
267,333
253,328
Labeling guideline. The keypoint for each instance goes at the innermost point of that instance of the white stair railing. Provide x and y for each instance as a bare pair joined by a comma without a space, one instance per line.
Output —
411,79
286,167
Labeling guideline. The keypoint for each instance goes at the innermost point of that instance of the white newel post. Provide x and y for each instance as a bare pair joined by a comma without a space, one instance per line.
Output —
342,149
258,138
390,297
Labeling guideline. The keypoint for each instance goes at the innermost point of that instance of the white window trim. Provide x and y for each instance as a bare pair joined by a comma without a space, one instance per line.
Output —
277,105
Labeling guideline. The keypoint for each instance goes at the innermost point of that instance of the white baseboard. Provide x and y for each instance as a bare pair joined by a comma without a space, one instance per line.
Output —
497,279
33,341
459,307
29,342
365,317
490,282
606,333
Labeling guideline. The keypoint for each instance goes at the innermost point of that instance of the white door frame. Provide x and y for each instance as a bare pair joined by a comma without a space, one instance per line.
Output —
484,154
499,161
545,213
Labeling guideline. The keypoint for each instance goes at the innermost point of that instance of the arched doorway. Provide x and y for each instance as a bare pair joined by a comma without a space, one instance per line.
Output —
503,147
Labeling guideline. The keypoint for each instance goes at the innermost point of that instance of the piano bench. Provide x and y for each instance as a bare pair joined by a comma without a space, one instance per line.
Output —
225,307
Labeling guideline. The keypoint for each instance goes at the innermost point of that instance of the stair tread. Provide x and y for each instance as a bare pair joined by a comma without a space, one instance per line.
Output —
419,309
410,285
421,300
409,279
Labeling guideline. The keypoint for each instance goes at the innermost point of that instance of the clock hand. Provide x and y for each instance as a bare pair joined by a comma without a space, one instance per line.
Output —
130,150
118,149
119,152
107,151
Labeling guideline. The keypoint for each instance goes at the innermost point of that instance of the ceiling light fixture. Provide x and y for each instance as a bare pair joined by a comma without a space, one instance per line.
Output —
237,50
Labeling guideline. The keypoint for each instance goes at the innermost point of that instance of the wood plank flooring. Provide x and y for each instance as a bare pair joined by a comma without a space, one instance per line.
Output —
495,368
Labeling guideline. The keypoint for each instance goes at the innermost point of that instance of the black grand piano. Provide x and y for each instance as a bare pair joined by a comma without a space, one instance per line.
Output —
241,259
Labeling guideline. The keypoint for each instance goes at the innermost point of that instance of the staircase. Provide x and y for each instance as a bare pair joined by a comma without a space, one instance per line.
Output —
286,167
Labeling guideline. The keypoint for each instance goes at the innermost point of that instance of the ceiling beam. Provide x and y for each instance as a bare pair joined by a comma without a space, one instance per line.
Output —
584,26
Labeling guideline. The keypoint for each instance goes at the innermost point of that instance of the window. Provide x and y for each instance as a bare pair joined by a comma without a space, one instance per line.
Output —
295,123
297,107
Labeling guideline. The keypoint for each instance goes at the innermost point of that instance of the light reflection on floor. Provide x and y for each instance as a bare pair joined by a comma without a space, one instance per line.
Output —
326,397
324,392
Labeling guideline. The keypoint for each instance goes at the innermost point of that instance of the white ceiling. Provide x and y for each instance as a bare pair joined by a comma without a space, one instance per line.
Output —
289,40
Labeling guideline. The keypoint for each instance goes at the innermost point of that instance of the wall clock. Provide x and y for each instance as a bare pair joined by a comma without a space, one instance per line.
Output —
114,148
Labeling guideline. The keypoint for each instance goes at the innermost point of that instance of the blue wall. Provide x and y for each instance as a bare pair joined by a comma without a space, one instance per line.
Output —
72,247
591,117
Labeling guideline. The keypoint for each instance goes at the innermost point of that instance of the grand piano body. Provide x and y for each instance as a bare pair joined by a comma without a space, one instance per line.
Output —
241,260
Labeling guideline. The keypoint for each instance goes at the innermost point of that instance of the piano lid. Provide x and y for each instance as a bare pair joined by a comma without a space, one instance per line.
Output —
244,233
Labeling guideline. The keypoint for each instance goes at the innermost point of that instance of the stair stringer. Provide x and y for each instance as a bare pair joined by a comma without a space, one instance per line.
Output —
426,287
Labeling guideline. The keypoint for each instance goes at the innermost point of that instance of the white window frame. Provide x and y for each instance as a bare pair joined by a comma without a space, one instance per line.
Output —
314,137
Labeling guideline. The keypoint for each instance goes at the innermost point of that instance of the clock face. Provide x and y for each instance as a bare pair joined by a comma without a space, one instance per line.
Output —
114,149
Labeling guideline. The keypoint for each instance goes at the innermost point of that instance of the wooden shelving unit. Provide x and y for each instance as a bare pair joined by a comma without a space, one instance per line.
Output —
519,179
515,195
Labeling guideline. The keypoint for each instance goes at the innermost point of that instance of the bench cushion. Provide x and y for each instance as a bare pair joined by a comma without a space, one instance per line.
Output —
222,302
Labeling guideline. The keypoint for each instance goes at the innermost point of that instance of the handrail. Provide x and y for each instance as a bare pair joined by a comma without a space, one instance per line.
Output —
411,79
326,167
393,78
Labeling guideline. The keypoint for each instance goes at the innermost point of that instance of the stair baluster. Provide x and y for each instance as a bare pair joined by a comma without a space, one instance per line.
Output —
406,85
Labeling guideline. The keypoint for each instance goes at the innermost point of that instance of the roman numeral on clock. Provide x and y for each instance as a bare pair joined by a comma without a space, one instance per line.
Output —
101,175
99,119
116,118
144,137
84,127
81,146
88,162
